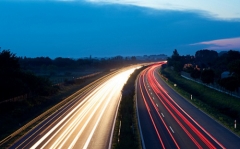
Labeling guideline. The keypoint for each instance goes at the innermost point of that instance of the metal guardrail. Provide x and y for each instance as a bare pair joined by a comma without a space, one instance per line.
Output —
212,87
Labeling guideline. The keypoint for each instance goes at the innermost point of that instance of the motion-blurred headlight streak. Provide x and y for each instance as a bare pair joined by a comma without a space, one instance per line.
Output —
67,132
77,120
62,121
116,88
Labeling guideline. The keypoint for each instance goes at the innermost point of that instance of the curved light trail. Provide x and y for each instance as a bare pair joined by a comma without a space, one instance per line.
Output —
85,123
168,119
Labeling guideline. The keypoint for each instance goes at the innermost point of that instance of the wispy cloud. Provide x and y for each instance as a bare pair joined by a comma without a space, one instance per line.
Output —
221,44
213,9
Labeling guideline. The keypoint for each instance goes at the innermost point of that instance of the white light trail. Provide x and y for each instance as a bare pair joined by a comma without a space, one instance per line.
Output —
67,132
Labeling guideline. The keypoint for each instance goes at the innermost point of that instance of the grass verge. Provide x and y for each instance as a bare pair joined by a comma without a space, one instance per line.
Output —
220,106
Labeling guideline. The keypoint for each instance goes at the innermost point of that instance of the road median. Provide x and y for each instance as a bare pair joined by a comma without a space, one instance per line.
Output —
126,131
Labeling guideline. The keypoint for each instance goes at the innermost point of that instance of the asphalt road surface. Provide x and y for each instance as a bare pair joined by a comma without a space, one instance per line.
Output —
167,120
85,122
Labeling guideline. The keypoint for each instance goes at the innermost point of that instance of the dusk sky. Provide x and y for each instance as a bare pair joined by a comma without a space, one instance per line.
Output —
103,28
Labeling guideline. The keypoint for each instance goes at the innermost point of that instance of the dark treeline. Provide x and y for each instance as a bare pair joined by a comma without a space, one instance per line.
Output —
52,66
29,77
16,82
211,67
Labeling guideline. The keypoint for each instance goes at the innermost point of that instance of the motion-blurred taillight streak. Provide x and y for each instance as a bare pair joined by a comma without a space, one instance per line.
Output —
141,78
193,130
155,89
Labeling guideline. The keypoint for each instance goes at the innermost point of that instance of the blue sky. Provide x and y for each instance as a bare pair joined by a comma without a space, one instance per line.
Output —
102,28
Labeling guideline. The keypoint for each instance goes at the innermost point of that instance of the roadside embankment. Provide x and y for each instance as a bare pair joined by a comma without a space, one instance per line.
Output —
220,106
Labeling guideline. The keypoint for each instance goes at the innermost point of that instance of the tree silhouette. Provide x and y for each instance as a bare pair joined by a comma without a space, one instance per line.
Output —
15,82
9,72
234,68
229,83
175,61
8,61
207,76
196,73
206,57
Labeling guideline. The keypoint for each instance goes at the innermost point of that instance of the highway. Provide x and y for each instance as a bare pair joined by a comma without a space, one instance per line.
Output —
85,122
167,120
